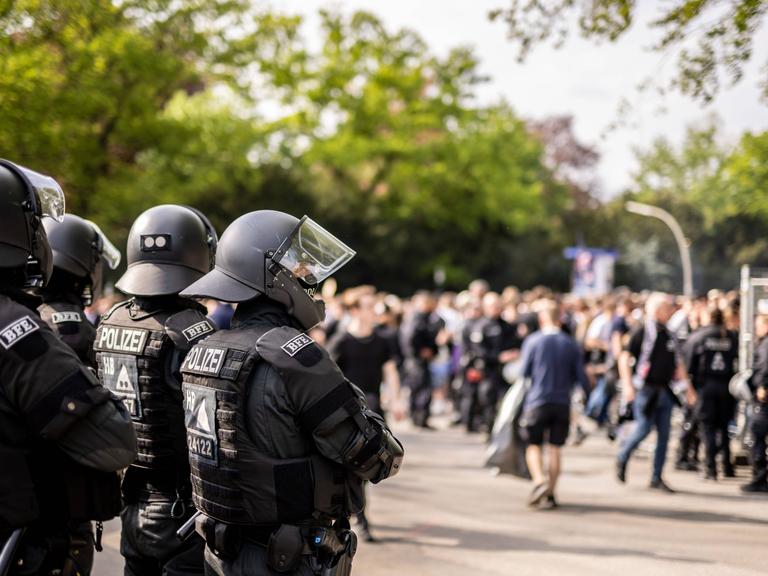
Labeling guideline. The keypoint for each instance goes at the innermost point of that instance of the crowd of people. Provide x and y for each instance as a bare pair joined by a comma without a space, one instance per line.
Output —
621,363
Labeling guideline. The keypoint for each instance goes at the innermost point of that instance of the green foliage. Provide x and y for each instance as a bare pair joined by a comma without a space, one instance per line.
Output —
717,193
711,40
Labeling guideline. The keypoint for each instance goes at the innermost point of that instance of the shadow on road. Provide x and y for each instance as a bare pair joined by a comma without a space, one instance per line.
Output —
666,513
463,539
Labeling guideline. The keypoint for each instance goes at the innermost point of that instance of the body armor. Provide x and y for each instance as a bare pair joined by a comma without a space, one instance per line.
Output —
29,486
718,353
132,351
68,321
233,480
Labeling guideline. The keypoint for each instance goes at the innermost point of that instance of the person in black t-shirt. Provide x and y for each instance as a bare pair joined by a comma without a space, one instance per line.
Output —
366,357
648,366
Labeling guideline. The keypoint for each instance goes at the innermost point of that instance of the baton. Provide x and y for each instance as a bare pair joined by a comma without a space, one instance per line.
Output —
182,533
9,550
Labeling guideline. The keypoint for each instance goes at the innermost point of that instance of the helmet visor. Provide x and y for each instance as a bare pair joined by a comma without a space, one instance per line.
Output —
109,253
48,191
311,253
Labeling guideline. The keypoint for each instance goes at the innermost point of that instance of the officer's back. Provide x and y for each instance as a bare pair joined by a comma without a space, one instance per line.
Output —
279,440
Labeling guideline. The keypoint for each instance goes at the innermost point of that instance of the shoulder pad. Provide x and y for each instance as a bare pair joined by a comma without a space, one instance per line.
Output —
114,308
288,349
187,327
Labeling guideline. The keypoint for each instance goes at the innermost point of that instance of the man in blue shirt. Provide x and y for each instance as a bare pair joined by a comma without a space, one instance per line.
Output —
553,362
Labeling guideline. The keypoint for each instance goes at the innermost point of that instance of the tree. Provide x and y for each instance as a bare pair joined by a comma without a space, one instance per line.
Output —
84,85
401,161
716,192
713,40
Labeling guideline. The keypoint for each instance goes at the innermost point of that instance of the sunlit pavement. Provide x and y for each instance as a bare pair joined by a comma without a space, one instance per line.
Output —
445,515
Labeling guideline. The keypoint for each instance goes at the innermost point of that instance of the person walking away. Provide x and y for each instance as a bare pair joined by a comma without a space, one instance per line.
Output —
366,358
711,355
553,362
648,366
759,422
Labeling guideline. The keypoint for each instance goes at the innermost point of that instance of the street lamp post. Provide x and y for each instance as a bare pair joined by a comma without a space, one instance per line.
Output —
677,232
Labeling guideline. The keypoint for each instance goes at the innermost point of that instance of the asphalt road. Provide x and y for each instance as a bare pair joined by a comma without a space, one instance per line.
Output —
445,515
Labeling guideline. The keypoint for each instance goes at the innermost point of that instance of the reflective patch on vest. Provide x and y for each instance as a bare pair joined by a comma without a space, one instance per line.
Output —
121,376
119,339
200,421
196,330
17,330
718,344
204,361
296,344
60,317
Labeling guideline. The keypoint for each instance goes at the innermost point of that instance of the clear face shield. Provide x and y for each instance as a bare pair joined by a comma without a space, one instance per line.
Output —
312,254
47,192
109,253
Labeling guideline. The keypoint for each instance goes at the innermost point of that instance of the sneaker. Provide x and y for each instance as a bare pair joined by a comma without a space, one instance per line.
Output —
550,503
686,466
729,472
538,493
621,471
661,486
756,486
710,475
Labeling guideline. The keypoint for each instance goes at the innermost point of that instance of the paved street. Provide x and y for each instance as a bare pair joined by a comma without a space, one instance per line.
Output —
444,515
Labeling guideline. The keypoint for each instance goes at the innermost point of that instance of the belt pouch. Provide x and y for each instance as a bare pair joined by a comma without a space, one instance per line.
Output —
284,548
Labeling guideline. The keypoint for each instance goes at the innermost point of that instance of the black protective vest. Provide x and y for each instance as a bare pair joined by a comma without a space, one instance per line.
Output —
133,348
718,354
232,479
68,322
38,481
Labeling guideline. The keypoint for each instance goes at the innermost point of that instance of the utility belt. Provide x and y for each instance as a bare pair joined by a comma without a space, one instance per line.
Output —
324,545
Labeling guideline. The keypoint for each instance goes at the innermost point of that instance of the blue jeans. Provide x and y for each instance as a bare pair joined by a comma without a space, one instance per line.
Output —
659,417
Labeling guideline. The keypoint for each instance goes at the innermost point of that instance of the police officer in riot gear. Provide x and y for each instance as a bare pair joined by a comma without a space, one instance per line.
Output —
140,345
758,423
80,252
711,354
279,440
57,420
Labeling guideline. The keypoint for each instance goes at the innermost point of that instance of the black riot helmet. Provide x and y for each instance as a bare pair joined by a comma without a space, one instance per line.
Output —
80,252
169,247
25,198
276,255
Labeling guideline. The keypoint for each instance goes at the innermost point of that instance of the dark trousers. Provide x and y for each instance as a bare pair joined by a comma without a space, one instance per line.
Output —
715,410
759,429
690,440
419,380
149,544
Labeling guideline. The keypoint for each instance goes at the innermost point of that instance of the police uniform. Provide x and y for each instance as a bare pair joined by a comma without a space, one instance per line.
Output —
64,314
62,433
140,345
712,357
420,334
269,419
279,441
758,423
